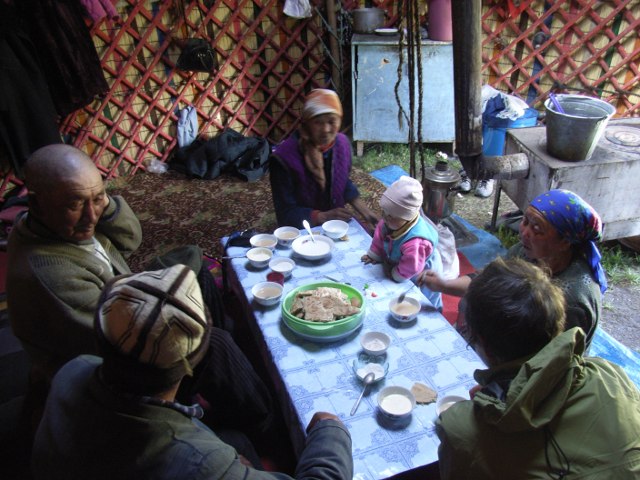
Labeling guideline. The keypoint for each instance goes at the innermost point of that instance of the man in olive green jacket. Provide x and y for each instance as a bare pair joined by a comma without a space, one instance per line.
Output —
541,410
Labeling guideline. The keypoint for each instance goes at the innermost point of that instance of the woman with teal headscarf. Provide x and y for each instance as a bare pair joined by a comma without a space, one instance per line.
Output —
559,231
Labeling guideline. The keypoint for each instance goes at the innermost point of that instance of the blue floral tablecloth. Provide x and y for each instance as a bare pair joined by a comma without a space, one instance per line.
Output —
312,376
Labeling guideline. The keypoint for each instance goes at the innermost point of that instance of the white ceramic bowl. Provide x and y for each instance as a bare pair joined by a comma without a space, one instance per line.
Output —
445,402
259,257
396,402
283,265
286,235
304,247
335,229
405,311
375,343
267,293
266,240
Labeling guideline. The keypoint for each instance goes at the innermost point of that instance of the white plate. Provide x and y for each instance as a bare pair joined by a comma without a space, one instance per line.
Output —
304,247
386,31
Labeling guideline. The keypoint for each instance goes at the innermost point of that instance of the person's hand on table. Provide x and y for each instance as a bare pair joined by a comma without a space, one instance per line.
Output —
245,461
319,416
334,214
366,259
473,390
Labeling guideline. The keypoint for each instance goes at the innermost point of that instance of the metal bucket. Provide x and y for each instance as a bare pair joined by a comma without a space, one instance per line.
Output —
573,135
439,191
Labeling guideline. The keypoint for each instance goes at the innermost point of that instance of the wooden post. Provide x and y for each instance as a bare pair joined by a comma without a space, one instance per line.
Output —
333,46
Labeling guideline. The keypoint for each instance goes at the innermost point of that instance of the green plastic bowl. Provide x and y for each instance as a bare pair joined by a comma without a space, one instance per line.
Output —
336,328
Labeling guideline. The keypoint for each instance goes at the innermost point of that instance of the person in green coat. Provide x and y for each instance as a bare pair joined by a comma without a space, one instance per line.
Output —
541,409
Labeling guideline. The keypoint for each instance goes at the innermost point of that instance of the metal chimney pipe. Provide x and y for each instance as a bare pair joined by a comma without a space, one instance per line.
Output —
467,62
504,167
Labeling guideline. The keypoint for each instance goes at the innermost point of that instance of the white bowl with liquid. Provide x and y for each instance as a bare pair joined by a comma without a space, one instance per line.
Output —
405,311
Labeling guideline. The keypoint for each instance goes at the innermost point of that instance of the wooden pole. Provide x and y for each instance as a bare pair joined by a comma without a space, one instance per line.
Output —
333,46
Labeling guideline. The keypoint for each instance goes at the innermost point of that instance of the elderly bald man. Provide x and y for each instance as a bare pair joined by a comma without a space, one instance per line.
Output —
73,239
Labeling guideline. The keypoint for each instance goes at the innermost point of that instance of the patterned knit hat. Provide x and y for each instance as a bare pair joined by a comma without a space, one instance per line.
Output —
403,199
152,328
321,101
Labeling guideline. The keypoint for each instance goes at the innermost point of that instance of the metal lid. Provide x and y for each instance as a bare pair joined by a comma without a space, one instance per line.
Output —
440,173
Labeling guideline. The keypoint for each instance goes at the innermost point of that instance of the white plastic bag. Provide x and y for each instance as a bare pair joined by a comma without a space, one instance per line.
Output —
297,8
514,107
447,249
156,166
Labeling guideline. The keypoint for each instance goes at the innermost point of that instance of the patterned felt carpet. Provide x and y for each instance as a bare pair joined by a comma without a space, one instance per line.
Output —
175,210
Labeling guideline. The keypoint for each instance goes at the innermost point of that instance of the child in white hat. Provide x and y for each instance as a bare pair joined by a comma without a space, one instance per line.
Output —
404,242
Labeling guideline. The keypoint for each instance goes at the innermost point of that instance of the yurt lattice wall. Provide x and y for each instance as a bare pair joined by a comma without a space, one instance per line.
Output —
266,61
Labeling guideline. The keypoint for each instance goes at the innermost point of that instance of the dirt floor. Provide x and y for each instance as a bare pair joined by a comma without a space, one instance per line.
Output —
621,312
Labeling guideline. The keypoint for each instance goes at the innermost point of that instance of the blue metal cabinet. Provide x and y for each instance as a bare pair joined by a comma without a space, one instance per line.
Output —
374,62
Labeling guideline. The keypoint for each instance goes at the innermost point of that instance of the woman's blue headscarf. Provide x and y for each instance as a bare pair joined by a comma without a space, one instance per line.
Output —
576,221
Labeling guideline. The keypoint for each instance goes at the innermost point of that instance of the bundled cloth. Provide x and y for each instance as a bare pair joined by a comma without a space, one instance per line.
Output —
229,152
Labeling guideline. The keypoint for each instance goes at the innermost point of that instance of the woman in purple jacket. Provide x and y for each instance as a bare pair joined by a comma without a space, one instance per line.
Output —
310,169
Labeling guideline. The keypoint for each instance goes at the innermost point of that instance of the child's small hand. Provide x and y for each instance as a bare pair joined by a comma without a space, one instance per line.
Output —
366,259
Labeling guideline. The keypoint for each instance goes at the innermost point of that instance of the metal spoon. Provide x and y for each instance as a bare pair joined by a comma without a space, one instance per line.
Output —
367,380
404,294
335,280
307,227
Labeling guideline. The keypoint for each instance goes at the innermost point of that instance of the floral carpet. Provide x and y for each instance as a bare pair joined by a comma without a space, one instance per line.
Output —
176,210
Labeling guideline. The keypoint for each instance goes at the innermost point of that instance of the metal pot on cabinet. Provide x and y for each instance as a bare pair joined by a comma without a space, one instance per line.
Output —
367,20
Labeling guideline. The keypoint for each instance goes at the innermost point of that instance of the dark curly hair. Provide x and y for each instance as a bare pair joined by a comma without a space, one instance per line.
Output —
515,308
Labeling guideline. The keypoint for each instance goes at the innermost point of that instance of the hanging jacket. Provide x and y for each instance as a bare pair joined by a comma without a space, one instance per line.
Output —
554,411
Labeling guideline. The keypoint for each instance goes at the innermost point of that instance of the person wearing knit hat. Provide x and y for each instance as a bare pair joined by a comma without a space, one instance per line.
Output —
403,241
558,231
71,242
310,170
117,417
152,329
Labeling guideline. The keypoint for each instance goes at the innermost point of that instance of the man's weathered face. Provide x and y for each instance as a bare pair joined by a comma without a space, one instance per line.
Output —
73,207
